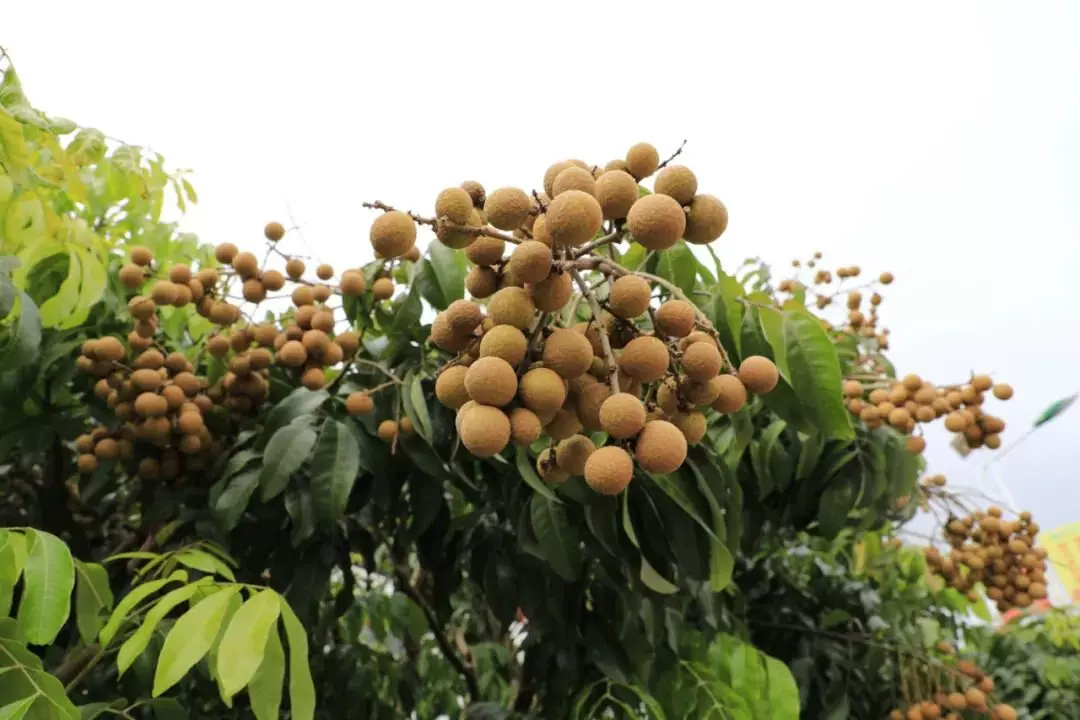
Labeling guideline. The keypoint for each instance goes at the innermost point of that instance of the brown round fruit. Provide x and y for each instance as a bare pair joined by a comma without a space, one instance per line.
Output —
656,222
706,220
573,178
450,387
387,431
572,453
568,353
573,218
675,318
352,283
622,415
644,358
506,342
759,374
677,181
512,306
525,426
132,276
485,430
702,361
552,293
383,288
507,208
542,391
274,231
642,160
629,296
530,261
661,447
609,470
295,268
491,381
481,282
616,191
455,204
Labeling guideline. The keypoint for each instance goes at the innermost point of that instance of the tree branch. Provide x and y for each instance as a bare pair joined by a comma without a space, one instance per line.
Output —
437,223
674,155
444,645
608,239
609,357
530,343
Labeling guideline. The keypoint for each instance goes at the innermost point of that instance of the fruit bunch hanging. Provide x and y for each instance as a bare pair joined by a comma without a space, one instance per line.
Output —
169,419
948,688
559,340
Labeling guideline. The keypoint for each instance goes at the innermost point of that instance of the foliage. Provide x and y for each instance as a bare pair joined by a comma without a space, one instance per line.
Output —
425,579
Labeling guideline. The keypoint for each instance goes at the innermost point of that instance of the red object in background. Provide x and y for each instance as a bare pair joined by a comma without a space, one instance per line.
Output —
521,617
1039,606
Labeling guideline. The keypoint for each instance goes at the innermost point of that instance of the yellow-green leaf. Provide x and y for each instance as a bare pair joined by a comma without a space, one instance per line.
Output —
133,598
47,583
60,306
244,641
191,638
136,644
301,688
265,688
93,597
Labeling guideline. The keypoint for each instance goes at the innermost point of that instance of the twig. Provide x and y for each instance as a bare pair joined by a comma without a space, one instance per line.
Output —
539,202
537,330
608,239
437,223
674,155
609,357
436,629
377,366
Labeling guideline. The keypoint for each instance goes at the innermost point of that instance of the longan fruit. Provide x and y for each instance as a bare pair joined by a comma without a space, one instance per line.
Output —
675,318
450,387
563,424
629,296
853,388
616,192
706,220
146,379
660,447
568,353
444,337
324,271
525,426
656,222
150,405
507,208
548,469
106,449
702,361
622,415
246,265
223,313
916,444
108,348
552,293
132,276
476,192
549,177
274,231
151,359
644,358
387,431
352,283
609,470
589,401
295,268
141,307
253,291
141,255
292,353
383,288
992,441
406,427
571,453
976,698
463,316
512,306
955,422
455,204
541,390
678,182
315,342
732,396
691,424
481,282
491,381
1003,391
1003,711
485,250
322,293
573,218
87,463
899,418
485,430
759,374
303,295
506,342
981,383
530,262
573,178
642,160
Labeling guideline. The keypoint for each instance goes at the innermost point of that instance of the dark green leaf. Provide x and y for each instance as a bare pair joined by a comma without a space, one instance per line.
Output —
334,467
647,573
679,266
558,539
681,488
233,501
441,276
836,502
287,450
300,402
407,312
815,374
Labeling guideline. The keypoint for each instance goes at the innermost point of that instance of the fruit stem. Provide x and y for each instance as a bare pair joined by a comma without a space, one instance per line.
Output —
370,363
609,357
608,239
530,344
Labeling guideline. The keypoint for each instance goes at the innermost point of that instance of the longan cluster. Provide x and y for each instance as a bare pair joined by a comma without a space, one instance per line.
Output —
999,553
905,404
164,410
640,371
955,692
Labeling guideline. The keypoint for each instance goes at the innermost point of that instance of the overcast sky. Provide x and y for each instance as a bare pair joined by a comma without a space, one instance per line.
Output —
935,140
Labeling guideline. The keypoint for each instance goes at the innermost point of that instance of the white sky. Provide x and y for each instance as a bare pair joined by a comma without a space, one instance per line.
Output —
935,140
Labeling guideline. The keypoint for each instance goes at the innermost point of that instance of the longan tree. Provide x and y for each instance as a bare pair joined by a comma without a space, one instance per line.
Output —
592,449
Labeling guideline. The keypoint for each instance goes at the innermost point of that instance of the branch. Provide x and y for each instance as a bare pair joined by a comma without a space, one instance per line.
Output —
437,223
674,155
380,368
609,239
537,330
609,357
436,629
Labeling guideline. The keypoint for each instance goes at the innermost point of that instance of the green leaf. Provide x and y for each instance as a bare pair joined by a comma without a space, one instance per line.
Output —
24,340
772,323
301,688
92,596
441,276
17,710
783,693
12,561
13,146
299,402
682,489
133,598
809,453
190,639
134,646
416,406
721,562
679,266
558,539
204,562
647,573
230,505
245,639
266,686
287,450
527,470
62,304
334,467
835,504
48,579
815,375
